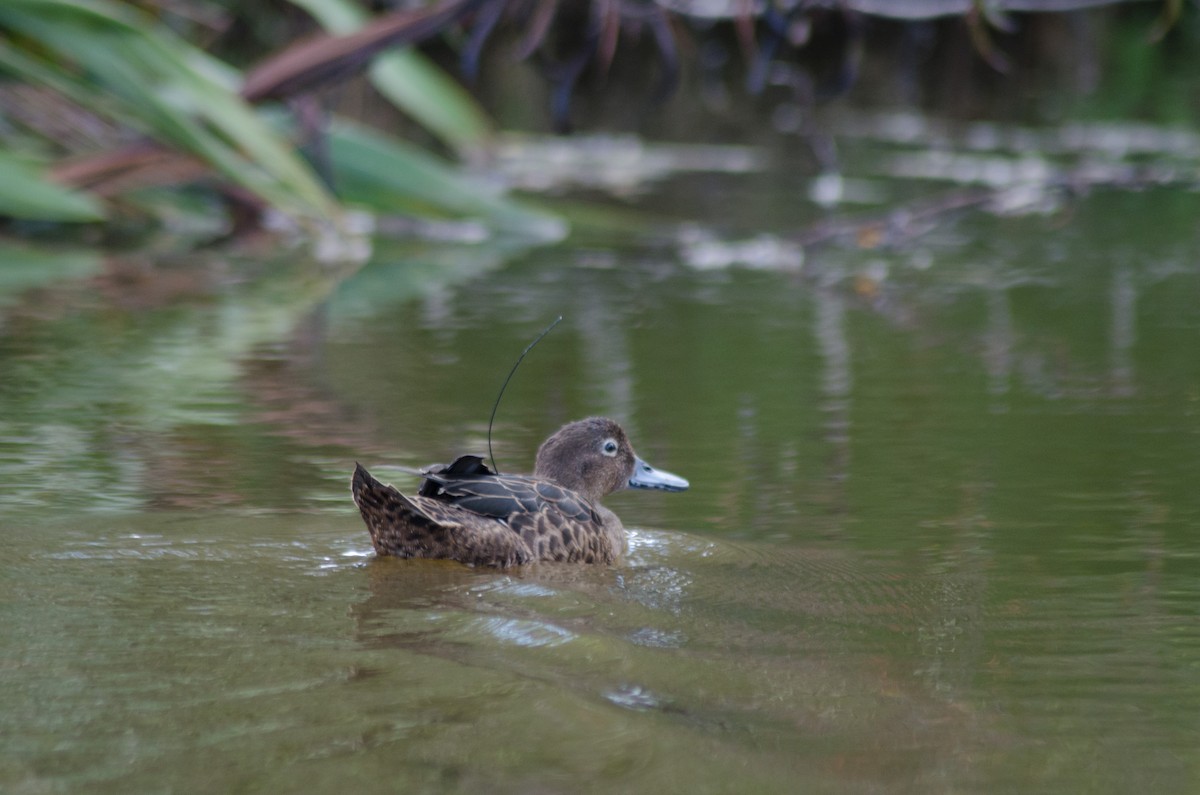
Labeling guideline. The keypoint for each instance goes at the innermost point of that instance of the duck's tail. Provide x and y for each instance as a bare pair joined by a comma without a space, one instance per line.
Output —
419,527
389,515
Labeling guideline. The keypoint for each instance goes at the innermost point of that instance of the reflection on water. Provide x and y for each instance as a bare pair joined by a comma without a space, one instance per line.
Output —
940,536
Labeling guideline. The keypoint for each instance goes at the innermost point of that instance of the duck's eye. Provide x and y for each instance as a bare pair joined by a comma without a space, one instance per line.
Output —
609,447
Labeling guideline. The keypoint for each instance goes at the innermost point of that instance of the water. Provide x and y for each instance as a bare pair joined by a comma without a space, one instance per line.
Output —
941,535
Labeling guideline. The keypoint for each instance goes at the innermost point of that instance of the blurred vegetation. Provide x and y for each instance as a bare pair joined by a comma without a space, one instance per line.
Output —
105,102
118,113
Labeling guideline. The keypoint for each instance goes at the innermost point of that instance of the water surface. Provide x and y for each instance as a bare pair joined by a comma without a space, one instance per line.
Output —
941,536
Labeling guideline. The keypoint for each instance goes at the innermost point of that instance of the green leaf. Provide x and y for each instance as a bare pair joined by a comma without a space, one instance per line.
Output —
392,176
434,100
145,76
26,194
413,83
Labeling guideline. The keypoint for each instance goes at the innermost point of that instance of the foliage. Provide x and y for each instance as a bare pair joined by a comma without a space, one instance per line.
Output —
412,83
116,63
26,193
146,109
392,176
110,61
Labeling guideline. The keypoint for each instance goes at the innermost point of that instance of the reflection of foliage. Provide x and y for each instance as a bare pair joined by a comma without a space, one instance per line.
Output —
157,357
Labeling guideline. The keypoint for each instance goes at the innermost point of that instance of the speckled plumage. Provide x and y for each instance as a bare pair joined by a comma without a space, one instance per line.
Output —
466,512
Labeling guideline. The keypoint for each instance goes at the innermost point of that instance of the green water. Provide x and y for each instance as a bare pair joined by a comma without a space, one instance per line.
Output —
943,533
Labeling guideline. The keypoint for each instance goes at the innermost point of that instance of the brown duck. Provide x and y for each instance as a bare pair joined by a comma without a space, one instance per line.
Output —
466,512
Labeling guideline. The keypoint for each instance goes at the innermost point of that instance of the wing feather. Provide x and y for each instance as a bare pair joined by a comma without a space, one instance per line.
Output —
506,496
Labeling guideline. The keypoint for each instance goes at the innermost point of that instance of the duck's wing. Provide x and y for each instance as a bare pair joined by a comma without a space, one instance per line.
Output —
421,527
505,497
554,523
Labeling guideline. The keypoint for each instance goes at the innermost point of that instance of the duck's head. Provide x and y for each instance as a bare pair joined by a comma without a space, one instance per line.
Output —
594,458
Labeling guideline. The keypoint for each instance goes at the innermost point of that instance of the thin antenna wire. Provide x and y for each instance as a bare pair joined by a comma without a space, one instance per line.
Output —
496,405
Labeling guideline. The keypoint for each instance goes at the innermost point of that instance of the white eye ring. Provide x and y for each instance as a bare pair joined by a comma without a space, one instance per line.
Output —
609,447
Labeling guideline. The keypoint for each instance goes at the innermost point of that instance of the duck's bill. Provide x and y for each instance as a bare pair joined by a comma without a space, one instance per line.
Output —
647,477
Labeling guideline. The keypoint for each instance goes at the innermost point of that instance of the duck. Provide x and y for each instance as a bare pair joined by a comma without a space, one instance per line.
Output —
467,512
